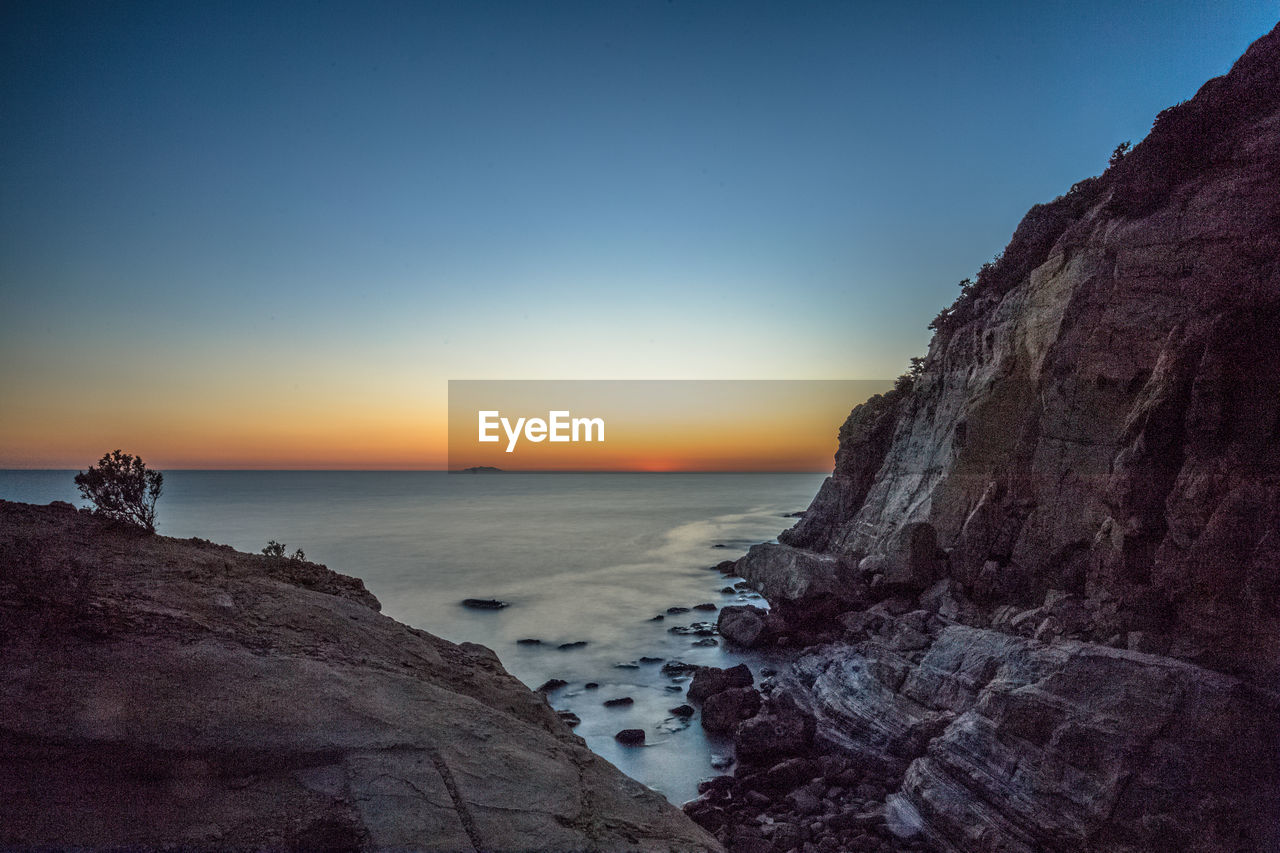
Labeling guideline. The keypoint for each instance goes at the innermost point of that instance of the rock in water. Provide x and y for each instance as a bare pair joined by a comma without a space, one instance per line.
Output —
483,603
141,713
630,737
709,680
744,626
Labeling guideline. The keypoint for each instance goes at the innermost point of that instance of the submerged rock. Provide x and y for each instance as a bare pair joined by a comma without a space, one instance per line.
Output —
483,603
676,668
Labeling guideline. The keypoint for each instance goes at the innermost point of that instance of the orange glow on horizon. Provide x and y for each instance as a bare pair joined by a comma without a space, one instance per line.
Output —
701,428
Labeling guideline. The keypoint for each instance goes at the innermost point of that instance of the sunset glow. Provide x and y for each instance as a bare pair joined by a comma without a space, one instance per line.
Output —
236,235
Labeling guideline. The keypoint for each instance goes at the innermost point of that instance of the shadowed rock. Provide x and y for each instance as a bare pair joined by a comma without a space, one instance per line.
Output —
709,680
158,692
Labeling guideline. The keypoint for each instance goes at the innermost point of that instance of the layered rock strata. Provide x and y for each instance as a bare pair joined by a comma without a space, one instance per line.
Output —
1041,589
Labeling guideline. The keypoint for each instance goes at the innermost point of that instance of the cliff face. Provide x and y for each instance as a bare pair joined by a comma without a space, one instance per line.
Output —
1101,414
1051,567
164,693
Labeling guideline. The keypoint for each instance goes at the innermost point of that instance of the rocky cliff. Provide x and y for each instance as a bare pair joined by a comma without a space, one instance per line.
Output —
1047,567
160,693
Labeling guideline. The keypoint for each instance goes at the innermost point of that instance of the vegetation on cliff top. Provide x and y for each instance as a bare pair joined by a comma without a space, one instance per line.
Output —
121,487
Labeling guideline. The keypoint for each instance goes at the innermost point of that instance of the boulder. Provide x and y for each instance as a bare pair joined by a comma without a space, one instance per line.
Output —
785,775
722,711
709,680
787,576
744,625
779,733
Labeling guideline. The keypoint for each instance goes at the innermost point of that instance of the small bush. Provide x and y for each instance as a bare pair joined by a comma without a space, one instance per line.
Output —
1119,154
277,550
121,487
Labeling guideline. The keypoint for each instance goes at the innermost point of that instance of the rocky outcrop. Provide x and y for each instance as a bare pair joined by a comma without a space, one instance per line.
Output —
1133,751
1047,564
179,694
1100,412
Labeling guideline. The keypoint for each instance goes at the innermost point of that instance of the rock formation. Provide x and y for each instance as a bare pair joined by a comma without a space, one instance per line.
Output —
157,692
1046,567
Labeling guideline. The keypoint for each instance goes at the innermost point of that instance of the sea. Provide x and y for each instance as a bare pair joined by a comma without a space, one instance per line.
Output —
577,557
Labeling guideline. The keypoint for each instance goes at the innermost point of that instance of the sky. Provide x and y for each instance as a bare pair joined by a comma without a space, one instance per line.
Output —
247,235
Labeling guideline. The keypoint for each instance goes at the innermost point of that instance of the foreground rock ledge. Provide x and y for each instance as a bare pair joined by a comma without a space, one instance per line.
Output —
162,692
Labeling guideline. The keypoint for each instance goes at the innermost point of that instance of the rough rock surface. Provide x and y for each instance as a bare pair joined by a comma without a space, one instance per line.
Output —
1046,567
1100,413
1134,751
166,693
709,680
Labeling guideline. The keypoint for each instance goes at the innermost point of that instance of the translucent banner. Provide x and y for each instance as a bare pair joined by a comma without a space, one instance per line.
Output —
650,425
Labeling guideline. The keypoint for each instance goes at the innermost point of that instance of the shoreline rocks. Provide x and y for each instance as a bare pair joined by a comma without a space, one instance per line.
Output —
709,680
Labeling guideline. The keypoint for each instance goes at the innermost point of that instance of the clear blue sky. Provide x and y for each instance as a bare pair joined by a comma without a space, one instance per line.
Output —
285,212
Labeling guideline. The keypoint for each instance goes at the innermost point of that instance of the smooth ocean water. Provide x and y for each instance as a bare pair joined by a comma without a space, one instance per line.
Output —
579,557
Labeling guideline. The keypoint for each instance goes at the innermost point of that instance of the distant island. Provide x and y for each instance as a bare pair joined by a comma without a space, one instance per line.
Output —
478,469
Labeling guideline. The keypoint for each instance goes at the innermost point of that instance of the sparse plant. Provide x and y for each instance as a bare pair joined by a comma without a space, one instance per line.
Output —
950,316
121,487
1122,150
277,550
